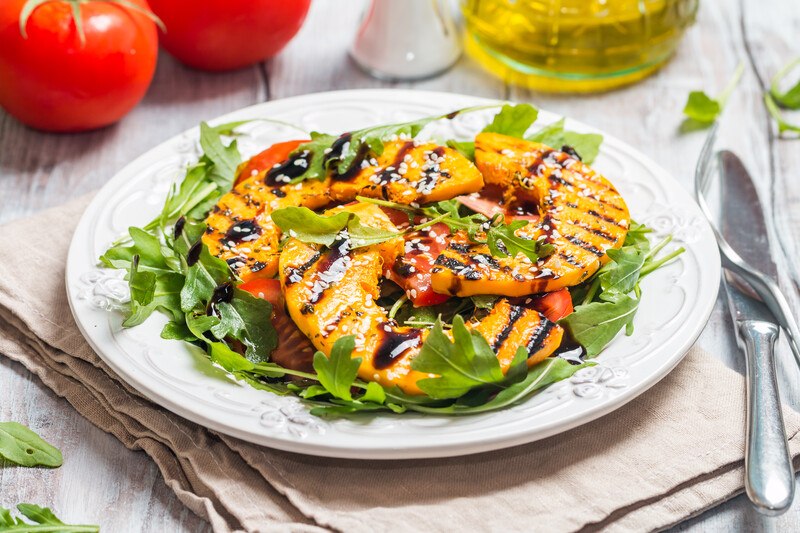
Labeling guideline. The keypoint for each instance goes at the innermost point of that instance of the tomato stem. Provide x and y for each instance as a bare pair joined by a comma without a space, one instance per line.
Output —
75,6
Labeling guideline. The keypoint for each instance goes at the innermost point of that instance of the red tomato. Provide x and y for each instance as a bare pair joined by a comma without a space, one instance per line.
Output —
294,350
490,207
228,34
554,305
277,153
267,289
412,271
54,82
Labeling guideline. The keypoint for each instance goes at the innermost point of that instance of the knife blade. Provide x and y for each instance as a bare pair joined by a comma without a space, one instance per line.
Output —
769,476
744,225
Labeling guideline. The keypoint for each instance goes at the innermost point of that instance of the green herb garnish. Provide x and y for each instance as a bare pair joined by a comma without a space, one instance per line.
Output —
42,521
22,446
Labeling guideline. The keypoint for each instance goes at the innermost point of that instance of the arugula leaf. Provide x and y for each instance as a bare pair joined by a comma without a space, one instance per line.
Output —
586,145
484,301
316,150
513,120
703,110
596,324
202,278
224,158
461,365
772,108
247,319
637,237
512,244
24,447
467,148
623,274
337,373
789,99
307,226
42,517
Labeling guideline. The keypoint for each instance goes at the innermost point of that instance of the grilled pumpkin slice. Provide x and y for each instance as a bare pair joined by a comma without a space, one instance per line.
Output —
581,214
410,172
331,293
240,229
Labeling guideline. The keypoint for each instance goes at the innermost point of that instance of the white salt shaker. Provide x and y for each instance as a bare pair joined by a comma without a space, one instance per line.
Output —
407,39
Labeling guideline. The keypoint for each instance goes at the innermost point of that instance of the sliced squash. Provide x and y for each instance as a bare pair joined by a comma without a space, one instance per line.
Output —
240,229
581,214
410,172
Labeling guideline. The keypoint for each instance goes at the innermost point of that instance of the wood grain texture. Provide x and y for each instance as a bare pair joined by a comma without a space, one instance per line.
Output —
104,483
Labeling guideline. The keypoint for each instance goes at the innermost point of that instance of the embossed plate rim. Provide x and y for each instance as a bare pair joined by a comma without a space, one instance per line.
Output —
388,437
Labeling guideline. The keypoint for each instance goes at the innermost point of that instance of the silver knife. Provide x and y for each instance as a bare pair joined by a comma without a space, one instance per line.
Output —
769,475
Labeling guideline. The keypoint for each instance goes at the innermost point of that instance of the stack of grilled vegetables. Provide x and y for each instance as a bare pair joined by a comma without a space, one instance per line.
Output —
375,271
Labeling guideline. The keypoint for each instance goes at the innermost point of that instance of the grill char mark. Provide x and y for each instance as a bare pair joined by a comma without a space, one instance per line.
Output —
514,314
540,334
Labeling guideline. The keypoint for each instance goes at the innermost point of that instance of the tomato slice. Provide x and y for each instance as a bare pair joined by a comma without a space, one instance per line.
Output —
266,289
294,350
275,154
554,305
412,271
489,205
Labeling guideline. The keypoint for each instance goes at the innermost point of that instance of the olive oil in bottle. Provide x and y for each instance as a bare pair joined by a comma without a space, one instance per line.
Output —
575,45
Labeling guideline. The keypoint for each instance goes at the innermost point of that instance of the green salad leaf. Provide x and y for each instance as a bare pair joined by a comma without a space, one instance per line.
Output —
461,364
22,446
42,520
337,373
702,110
777,115
307,226
513,120
596,324
790,98
586,145
776,99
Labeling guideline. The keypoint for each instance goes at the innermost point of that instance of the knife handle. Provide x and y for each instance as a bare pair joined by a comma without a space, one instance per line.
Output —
769,475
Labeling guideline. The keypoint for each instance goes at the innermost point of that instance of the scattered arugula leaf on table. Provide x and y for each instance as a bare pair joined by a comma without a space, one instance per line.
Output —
790,98
775,99
22,446
702,110
43,520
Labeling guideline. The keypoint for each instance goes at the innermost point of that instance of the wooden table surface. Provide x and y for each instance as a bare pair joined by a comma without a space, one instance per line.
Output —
102,482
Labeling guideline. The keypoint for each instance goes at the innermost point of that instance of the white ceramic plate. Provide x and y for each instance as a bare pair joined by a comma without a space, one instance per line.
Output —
677,299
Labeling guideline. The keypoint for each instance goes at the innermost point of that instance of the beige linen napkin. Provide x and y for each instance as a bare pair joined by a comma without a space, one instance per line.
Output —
670,454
